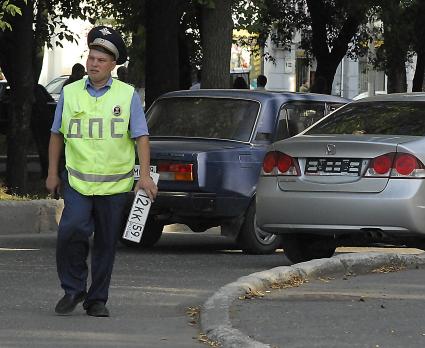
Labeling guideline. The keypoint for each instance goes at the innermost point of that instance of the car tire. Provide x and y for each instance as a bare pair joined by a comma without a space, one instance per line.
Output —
306,247
252,240
151,235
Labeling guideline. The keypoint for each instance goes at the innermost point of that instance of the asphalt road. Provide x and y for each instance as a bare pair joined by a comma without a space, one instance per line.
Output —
151,292
377,310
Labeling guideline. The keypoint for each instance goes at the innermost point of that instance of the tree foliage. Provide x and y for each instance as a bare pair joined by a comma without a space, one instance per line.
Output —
192,35
401,34
328,29
21,55
331,29
8,8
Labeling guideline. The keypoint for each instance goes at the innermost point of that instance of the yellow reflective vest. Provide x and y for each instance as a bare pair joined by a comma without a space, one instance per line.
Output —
98,149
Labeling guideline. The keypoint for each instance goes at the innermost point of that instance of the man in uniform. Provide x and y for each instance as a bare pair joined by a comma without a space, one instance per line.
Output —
97,120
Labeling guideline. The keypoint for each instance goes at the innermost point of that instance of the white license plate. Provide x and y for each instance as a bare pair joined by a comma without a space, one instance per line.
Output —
137,171
139,213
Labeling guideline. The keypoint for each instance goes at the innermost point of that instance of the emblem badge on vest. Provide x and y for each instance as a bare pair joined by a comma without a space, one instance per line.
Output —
116,110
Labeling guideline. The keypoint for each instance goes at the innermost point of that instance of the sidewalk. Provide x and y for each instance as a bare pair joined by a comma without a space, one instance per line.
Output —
350,300
34,216
31,216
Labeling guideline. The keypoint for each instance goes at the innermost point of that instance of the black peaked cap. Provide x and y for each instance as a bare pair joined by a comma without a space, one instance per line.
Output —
109,39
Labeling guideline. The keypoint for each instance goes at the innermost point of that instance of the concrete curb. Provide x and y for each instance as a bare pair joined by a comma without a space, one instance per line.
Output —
36,216
215,319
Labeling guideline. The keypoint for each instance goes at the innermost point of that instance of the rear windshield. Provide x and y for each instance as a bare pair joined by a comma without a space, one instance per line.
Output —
219,118
386,118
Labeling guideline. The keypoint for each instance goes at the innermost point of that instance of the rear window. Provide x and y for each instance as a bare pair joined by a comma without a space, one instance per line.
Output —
219,118
386,118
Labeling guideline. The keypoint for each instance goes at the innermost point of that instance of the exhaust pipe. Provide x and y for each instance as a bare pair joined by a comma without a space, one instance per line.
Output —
374,233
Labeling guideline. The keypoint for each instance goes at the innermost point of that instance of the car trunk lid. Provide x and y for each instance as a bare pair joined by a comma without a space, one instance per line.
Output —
337,163
195,154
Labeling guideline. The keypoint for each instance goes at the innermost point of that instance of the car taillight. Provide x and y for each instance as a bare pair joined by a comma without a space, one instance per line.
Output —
269,162
396,165
407,165
278,163
175,171
381,165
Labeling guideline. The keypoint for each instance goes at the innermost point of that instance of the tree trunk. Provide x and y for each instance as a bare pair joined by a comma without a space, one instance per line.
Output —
396,45
329,59
162,52
17,64
397,80
419,47
185,69
41,28
324,77
396,58
217,26
396,71
136,66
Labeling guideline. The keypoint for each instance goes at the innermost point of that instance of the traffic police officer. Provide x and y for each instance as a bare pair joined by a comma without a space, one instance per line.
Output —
97,119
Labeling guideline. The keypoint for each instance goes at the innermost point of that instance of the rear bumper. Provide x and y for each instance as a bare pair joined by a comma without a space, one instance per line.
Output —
195,204
399,210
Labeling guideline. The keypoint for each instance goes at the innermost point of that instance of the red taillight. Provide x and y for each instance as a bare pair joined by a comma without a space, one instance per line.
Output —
269,162
382,164
405,164
285,164
175,171
396,165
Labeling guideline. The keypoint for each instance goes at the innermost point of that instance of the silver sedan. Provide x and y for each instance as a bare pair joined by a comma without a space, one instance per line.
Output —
354,178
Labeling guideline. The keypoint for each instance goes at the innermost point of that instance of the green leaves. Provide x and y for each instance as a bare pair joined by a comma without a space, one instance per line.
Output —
10,9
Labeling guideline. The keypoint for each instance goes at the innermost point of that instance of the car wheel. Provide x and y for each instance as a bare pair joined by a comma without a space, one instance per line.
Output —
252,239
306,247
151,235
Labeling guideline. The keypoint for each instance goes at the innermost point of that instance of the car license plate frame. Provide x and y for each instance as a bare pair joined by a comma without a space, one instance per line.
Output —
137,171
333,166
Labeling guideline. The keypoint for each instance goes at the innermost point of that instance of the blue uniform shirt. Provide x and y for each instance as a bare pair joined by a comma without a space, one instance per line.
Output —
138,126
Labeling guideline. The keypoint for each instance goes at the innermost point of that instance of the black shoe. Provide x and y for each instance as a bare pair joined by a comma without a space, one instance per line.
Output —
97,309
68,303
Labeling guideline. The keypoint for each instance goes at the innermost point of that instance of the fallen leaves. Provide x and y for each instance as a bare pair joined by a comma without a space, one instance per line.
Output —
6,196
193,313
251,294
389,269
290,283
206,340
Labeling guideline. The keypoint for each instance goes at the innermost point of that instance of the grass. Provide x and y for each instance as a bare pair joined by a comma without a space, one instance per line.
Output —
36,190
5,196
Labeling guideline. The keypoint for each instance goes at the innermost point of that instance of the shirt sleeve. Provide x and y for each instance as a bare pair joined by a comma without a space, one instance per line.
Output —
138,126
57,121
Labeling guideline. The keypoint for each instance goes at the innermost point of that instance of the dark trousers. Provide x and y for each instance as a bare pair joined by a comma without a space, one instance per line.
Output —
83,215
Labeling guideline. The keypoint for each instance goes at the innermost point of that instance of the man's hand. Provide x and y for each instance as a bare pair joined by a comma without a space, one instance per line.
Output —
53,185
146,183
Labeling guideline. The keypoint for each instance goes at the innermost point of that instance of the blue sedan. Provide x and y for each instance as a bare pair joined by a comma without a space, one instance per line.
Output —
208,147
